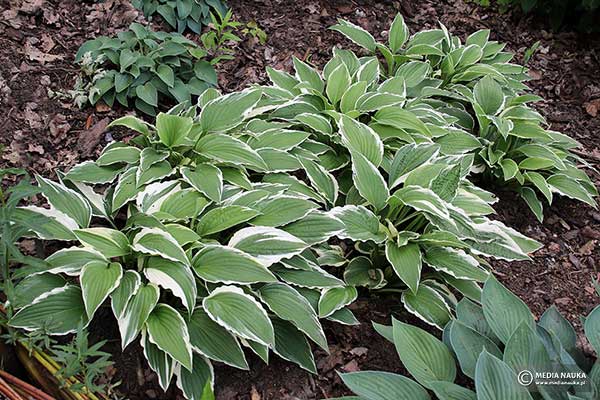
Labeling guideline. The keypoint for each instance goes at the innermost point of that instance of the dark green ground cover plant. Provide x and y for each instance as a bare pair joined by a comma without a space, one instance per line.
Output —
491,342
144,68
182,15
474,88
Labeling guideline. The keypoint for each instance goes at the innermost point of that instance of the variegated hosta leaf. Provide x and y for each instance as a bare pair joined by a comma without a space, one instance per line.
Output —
427,304
291,345
109,242
206,179
222,218
71,260
98,280
406,262
50,224
159,361
66,201
136,313
33,286
359,224
334,299
128,286
197,384
315,228
282,210
239,313
168,331
268,245
174,276
224,264
157,242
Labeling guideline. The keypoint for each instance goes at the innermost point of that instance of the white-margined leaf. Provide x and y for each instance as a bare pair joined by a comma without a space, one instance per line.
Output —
456,263
91,172
225,217
428,305
282,210
136,313
197,384
109,242
359,224
325,183
173,130
71,260
269,245
66,201
128,286
369,182
312,278
359,138
226,112
314,228
174,276
205,178
409,157
157,242
223,264
334,299
224,148
159,361
406,262
291,345
168,331
49,224
98,280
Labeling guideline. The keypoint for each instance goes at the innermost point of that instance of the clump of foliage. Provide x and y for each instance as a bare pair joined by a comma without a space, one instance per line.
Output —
583,14
498,345
473,88
183,14
144,67
196,256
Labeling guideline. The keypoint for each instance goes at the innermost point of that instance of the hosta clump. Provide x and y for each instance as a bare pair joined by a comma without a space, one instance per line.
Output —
395,173
496,343
474,88
145,68
196,257
182,14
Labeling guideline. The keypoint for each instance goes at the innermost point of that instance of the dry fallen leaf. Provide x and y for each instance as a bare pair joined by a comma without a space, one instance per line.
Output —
254,395
36,54
592,107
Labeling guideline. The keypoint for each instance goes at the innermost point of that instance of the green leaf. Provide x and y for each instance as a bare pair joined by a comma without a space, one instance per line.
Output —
173,130
355,33
409,157
166,74
168,331
494,380
369,181
312,278
291,345
91,172
205,178
66,200
109,242
451,391
240,313
128,286
558,325
282,210
212,340
467,344
360,224
205,72
280,139
488,95
503,310
159,361
398,34
359,138
424,356
226,112
269,245
569,187
334,299
222,264
224,148
456,263
321,180
147,92
131,122
225,217
592,328
406,262
98,280
136,313
289,305
509,168
58,313
157,242
428,305
316,227
176,277
374,385
422,199
197,384
119,154
337,83
310,76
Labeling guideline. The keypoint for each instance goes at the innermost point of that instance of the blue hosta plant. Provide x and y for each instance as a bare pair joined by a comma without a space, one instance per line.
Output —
182,15
197,258
471,87
498,346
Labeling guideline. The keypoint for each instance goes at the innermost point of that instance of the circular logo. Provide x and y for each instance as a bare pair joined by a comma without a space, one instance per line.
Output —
525,377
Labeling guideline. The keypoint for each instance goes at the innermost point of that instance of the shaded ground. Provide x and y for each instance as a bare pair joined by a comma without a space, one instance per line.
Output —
38,39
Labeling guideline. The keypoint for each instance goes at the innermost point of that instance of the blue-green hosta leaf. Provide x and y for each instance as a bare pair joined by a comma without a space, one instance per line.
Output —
148,93
223,264
503,310
374,385
555,323
424,356
359,138
173,130
427,304
224,148
98,280
494,380
289,305
316,227
282,210
169,332
369,181
225,217
308,75
109,242
213,341
451,391
49,224
59,312
525,350
136,313
159,361
228,111
314,278
467,344
91,172
592,328
359,224
456,263
336,298
269,245
71,260
128,286
240,313
66,201
205,178
157,242
279,139
406,262
197,384
488,95
291,345
174,276
471,314
325,183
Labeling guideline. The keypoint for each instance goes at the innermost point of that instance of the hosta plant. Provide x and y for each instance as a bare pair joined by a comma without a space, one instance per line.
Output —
395,173
196,257
471,87
146,68
498,345
182,14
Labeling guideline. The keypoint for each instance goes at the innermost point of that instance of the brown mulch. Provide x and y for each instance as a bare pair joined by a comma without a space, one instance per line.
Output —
38,39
